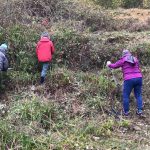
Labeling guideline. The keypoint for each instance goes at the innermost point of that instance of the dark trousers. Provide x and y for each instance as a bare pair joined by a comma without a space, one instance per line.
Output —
136,84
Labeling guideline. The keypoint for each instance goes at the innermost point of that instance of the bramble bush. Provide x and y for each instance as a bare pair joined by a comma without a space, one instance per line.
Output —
109,3
121,3
22,41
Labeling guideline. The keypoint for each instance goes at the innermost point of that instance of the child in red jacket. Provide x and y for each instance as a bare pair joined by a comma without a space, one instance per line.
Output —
44,51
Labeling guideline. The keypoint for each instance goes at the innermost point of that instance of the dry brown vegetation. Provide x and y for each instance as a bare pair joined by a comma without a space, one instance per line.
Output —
73,109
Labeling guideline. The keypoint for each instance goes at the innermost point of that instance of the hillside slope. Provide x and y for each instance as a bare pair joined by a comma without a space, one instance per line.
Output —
135,13
73,109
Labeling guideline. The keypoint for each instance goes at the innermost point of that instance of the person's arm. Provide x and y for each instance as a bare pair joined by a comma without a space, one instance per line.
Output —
118,64
52,48
5,64
1,66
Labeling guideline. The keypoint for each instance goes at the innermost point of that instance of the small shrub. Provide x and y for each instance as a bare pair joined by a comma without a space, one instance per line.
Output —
142,51
98,21
22,47
132,3
70,46
109,3
120,3
61,78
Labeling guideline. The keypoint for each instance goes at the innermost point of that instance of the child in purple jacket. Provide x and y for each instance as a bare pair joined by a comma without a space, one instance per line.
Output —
132,80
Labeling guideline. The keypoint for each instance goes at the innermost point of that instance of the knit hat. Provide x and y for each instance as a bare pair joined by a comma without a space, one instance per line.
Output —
125,52
45,34
4,46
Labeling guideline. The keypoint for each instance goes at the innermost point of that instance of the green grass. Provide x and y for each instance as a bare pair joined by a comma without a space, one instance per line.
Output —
68,111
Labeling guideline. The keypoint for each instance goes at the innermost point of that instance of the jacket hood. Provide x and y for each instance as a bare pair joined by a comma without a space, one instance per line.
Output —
3,50
44,39
130,59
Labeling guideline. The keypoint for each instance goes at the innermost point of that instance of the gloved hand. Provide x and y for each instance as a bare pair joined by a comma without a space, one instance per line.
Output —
108,63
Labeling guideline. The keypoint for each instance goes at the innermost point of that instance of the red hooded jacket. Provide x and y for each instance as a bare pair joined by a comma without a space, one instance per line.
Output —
44,50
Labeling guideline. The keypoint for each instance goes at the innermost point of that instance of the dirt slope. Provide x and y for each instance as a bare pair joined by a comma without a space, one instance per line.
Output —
135,13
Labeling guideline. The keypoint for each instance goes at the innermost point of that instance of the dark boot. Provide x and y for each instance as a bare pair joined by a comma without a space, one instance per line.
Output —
42,80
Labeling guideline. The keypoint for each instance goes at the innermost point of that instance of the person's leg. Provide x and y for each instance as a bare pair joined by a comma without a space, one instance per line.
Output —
44,71
138,94
127,88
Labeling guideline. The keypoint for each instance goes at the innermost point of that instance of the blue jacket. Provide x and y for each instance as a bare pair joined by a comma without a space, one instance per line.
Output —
3,59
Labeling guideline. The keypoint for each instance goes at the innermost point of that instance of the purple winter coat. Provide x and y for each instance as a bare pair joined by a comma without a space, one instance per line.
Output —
129,65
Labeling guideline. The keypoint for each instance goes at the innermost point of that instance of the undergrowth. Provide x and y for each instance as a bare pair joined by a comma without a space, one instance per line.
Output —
32,123
72,110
